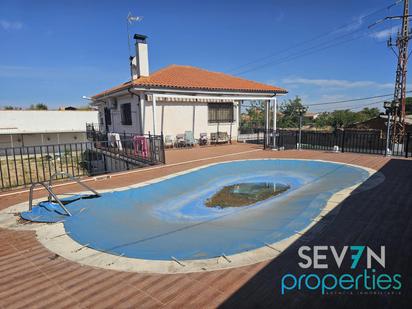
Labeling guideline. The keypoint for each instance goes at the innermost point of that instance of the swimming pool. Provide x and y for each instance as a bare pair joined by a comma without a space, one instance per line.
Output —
169,218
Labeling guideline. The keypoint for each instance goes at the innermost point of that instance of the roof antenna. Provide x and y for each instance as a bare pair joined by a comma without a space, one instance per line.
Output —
130,20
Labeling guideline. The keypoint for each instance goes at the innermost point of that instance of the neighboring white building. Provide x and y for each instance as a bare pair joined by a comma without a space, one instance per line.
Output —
176,99
29,128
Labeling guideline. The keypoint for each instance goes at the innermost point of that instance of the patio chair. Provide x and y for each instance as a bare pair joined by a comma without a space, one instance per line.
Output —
189,138
168,141
203,140
219,137
180,140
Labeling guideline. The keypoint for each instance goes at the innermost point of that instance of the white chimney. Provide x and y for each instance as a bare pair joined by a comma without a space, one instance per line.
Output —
140,63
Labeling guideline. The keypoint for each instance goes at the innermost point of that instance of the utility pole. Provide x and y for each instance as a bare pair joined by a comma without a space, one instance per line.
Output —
401,69
401,42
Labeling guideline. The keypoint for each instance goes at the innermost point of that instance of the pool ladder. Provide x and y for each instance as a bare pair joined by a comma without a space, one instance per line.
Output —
48,185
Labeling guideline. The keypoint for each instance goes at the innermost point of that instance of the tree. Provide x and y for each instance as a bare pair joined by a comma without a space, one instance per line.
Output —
343,118
10,108
408,106
290,118
38,106
254,116
323,120
368,113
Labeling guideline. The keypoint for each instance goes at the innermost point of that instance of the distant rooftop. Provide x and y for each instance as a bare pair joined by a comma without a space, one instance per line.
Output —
25,121
408,118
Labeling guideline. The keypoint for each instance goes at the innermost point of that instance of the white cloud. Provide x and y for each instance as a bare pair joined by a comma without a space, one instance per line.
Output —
10,25
384,34
356,23
332,97
336,83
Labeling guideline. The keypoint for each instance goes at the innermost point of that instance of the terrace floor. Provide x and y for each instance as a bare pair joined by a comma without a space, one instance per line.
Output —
31,276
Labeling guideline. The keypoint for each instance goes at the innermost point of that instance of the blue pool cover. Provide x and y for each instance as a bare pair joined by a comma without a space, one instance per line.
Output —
169,218
50,212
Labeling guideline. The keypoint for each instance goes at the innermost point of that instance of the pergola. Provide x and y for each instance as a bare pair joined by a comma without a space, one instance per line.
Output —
204,97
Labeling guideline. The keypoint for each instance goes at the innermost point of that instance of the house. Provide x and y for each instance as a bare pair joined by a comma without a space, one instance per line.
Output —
177,98
43,127
379,124
311,116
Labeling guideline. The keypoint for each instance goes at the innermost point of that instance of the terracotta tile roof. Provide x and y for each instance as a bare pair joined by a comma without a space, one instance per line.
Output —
188,77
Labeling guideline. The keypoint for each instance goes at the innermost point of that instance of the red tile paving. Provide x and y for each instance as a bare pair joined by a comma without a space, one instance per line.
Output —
33,277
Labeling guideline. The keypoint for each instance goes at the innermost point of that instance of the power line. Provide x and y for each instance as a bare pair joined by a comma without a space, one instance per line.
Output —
360,106
305,52
336,30
366,105
353,100
345,101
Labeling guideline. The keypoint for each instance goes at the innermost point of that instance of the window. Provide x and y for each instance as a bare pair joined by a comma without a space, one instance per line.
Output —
220,112
107,116
126,113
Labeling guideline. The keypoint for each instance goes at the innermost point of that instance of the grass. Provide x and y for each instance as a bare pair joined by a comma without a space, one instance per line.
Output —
25,169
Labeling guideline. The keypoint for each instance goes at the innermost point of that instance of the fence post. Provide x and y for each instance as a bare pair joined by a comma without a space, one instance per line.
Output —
343,141
151,148
162,148
296,139
408,135
264,138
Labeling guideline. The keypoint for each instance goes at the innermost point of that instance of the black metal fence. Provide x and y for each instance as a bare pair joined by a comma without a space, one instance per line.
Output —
22,166
250,128
153,152
370,142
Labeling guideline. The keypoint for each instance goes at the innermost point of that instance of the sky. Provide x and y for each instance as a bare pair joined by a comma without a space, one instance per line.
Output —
55,52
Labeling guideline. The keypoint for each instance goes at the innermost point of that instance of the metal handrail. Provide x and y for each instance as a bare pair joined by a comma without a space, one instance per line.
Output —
49,187
71,177
51,193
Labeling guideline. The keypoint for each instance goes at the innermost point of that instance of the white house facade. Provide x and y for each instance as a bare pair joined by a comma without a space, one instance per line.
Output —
177,99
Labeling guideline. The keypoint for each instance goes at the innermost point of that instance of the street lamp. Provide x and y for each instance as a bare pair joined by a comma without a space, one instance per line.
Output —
301,110
390,108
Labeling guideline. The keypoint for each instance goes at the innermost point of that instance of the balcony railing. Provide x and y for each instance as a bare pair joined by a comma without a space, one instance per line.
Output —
145,148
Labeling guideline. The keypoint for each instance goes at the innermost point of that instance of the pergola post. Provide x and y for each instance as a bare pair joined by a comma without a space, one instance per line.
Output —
267,124
275,108
238,115
142,114
154,113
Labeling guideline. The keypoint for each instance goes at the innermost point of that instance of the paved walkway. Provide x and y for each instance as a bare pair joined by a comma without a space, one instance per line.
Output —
31,276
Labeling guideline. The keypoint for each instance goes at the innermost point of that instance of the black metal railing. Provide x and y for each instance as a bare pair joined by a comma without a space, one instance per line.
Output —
154,152
369,142
22,166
